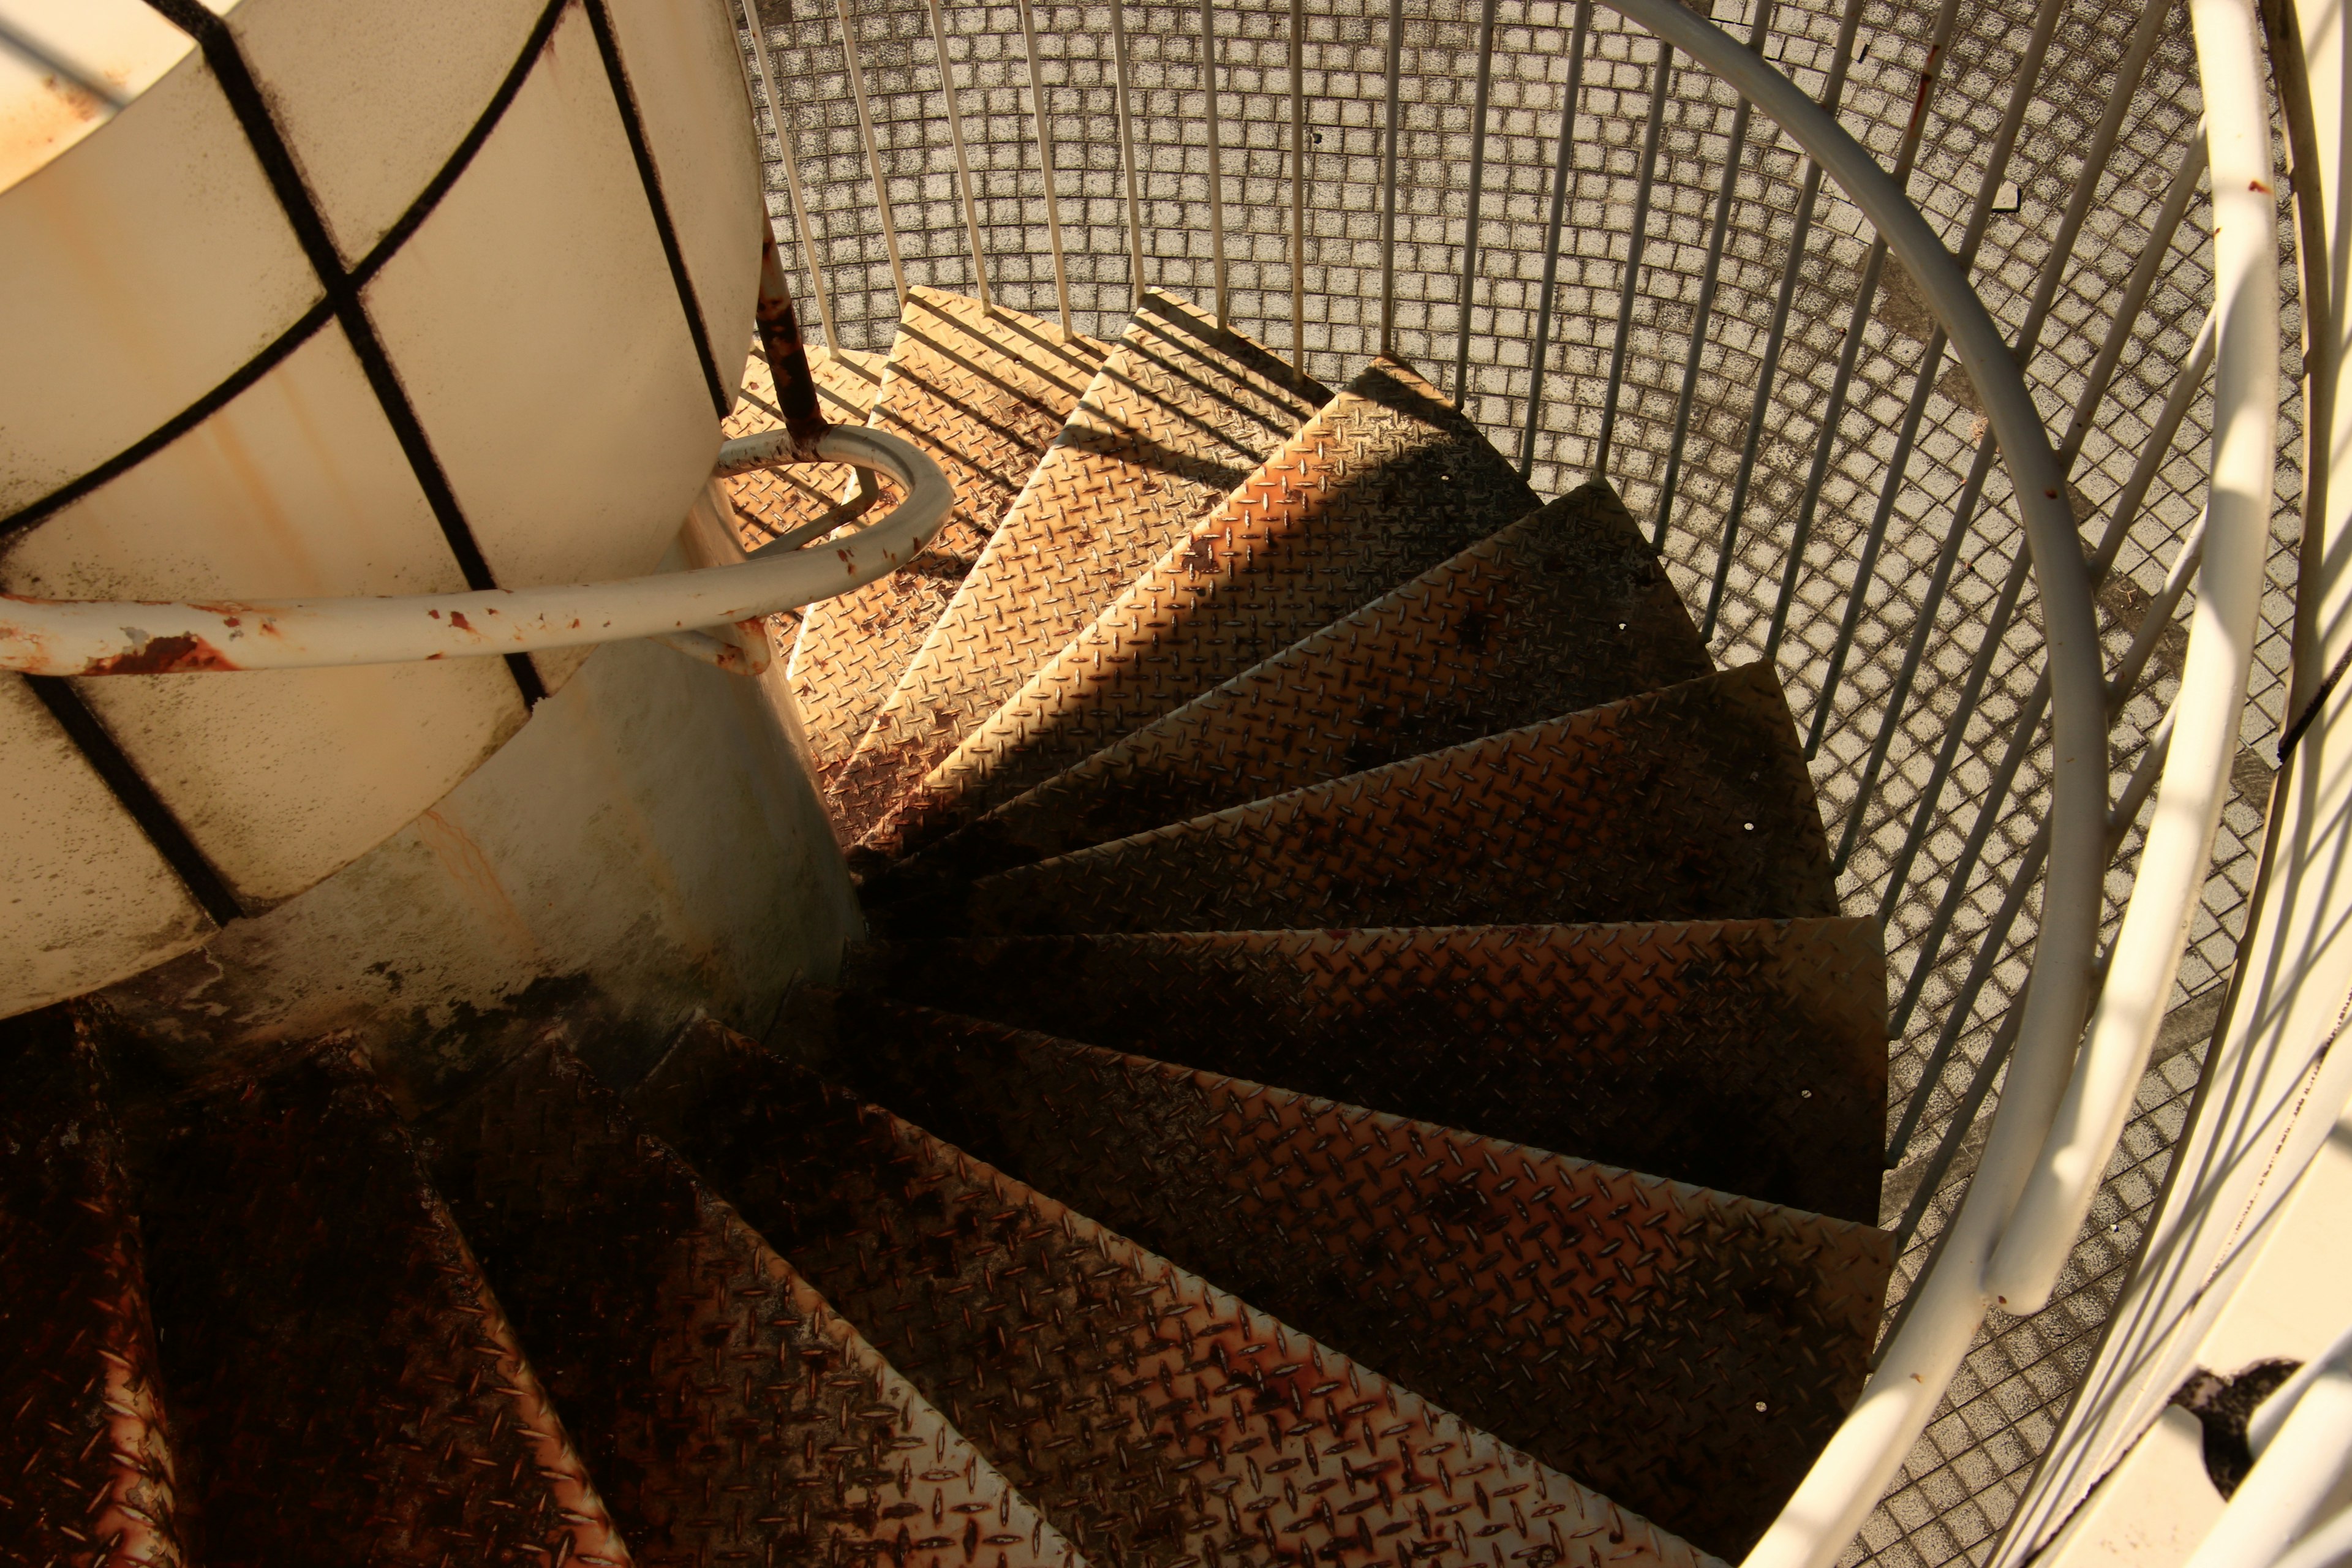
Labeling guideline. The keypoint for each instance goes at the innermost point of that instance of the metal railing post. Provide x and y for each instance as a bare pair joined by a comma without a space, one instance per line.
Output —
1725,199
964,163
1470,218
1045,166
1127,149
1298,186
767,75
1216,164
873,152
1563,172
1660,77
1388,181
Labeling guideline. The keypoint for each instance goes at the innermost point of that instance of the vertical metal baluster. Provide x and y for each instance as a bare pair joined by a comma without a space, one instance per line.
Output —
1777,337
2053,270
873,153
1216,164
963,165
1725,197
791,169
2122,512
1562,174
1995,625
1045,166
1298,186
1389,181
1850,345
1660,77
1477,178
1127,151
2004,142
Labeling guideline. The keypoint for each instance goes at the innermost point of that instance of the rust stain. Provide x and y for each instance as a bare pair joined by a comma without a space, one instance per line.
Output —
164,655
458,619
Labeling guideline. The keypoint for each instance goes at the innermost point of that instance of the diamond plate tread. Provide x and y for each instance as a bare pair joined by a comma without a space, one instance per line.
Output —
1746,1055
1688,803
1123,1394
773,502
348,1386
733,1416
985,391
1563,610
86,1461
1180,415
1386,481
1621,1328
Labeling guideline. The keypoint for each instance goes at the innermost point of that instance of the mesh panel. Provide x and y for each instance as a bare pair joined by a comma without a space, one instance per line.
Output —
1956,1490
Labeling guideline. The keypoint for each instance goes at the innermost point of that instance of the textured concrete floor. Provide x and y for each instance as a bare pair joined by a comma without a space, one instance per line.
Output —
1961,1481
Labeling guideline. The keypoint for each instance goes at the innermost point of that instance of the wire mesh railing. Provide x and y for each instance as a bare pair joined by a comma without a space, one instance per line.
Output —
1659,284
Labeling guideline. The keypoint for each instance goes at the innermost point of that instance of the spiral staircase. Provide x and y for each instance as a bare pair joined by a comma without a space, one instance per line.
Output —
1359,1061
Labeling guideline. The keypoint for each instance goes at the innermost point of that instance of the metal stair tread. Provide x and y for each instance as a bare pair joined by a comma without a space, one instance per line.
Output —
1386,480
984,391
339,1369
87,1461
1099,1372
693,1363
1563,610
1688,803
1745,1056
1180,414
1682,1351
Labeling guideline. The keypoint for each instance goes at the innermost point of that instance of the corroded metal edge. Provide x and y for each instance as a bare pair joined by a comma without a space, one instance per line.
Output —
87,1464
1688,803
1179,415
1746,1055
983,391
1685,1351
731,1409
1386,480
1275,1447
1563,610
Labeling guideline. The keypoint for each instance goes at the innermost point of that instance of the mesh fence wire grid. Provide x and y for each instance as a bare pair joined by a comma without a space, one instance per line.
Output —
1961,1482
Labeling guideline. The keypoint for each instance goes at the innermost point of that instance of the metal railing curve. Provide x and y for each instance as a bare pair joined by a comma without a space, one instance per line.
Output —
88,638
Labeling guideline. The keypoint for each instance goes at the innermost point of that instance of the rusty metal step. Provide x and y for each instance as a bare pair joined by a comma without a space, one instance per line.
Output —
985,391
1746,1055
1688,803
1182,412
1159,1420
345,1382
732,1415
1685,1352
1564,610
1385,482
85,1458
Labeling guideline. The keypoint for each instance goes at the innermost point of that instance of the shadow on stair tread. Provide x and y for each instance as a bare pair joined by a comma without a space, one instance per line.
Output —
1180,411
340,1375
1748,1055
1385,481
982,400
1688,803
87,1461
723,1405
1157,1418
1685,1353
1563,610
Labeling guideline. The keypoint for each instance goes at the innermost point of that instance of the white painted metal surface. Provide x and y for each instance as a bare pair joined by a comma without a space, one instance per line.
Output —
472,328
95,637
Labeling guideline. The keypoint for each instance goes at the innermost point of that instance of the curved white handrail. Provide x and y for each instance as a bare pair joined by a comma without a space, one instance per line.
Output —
2179,851
1846,1480
80,638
